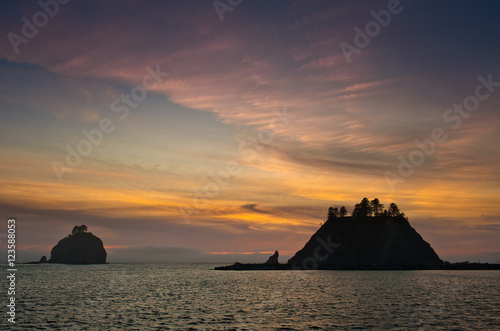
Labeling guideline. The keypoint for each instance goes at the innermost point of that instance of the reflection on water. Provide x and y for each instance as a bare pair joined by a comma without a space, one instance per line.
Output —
194,297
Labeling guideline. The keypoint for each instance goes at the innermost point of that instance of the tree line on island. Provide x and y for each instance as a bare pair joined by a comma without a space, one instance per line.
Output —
78,229
367,208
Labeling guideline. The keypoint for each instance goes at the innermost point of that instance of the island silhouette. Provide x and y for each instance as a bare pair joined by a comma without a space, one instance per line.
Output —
373,238
79,247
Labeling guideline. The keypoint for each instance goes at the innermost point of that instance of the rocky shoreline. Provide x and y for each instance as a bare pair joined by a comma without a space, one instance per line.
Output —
447,266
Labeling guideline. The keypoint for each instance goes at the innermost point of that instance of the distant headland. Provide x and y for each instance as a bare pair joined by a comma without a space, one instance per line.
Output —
373,238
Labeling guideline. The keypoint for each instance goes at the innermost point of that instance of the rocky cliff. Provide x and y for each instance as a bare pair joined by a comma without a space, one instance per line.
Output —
79,248
366,243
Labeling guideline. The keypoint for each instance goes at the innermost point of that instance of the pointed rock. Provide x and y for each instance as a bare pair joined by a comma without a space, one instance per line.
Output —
273,259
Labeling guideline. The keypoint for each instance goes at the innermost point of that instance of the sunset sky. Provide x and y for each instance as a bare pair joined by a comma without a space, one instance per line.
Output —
208,131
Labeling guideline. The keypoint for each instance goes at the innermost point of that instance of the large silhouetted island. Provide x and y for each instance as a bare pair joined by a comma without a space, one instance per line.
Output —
382,242
371,239
80,247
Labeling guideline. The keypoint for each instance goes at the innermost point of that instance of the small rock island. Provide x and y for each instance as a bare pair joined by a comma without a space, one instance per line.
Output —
79,247
273,259
271,264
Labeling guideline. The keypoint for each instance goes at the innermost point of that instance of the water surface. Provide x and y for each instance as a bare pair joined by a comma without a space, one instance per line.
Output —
195,297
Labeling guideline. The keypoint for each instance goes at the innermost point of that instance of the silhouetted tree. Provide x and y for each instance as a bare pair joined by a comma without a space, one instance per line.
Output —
393,210
366,209
356,211
75,229
330,213
79,229
377,207
362,209
333,212
342,212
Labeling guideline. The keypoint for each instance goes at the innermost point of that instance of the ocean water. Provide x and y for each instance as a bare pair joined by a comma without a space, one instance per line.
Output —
195,297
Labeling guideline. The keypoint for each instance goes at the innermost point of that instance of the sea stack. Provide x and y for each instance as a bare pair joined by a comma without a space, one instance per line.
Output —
273,259
381,242
80,247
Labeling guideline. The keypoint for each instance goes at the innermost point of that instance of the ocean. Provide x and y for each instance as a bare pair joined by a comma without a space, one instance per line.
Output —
196,297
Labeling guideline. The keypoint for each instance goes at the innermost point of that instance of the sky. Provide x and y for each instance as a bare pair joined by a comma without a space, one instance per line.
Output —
221,131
